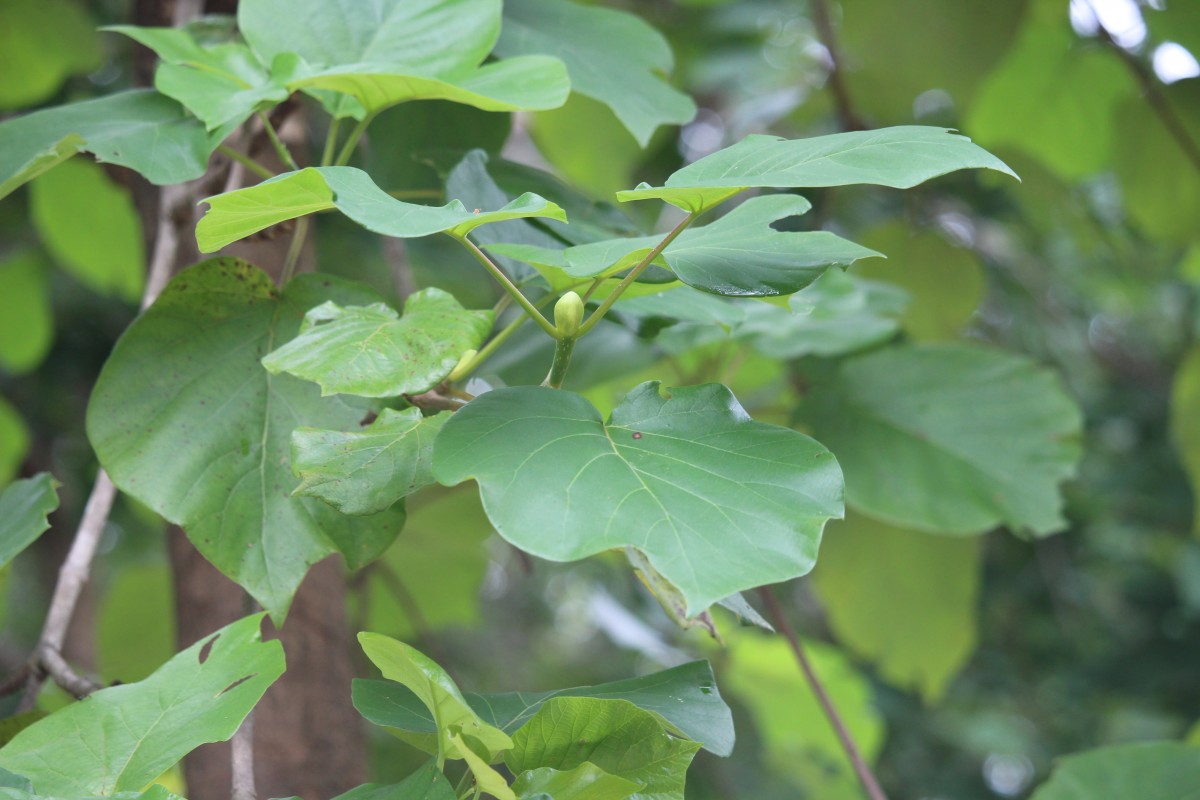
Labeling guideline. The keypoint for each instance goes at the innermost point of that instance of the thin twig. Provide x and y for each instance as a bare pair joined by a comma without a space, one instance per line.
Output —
281,149
294,249
241,761
62,673
779,620
246,161
847,115
507,285
433,401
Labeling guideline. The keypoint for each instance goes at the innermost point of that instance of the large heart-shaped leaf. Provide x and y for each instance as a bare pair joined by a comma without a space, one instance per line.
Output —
138,129
427,783
374,352
24,505
612,56
448,709
949,438
615,735
235,215
365,472
585,782
717,502
899,157
1146,770
185,419
684,698
122,738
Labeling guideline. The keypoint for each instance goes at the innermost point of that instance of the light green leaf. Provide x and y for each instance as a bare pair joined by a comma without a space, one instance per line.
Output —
91,228
900,157
429,682
612,56
427,783
902,599
236,215
14,441
738,254
1053,99
615,735
945,283
949,438
797,740
1185,423
135,628
1147,771
684,699
122,738
24,505
139,129
26,318
374,352
514,84
155,792
608,162
368,471
585,782
670,475
42,43
185,419
487,779
222,84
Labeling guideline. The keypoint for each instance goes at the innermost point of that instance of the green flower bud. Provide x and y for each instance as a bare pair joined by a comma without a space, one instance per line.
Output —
568,314
460,369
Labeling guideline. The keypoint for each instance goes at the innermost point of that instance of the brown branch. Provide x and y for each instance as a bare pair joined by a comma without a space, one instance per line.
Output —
65,676
241,756
847,115
867,778
433,401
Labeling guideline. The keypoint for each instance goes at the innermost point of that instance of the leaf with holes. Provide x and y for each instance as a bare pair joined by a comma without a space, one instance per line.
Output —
718,502
121,738
365,472
185,419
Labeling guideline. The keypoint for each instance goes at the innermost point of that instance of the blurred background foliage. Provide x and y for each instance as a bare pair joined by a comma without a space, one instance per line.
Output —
964,666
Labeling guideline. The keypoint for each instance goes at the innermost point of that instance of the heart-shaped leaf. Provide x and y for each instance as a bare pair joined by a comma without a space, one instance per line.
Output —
24,506
427,783
585,782
949,438
899,157
235,215
1145,770
138,129
185,419
717,502
122,738
368,471
374,352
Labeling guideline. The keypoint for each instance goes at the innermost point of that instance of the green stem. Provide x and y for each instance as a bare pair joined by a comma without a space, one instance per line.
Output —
508,286
352,142
591,290
330,142
460,788
599,313
562,360
246,161
281,150
293,253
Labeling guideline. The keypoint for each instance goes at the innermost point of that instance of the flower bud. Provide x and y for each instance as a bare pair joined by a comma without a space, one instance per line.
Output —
568,314
460,369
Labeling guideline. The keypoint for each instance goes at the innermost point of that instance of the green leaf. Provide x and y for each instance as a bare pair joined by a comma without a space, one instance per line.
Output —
90,227
42,43
155,792
902,599
797,740
612,56
1054,99
369,471
448,709
121,738
949,438
615,735
487,779
236,215
900,157
585,782
24,505
427,783
26,317
14,441
1146,770
739,254
684,699
945,283
186,420
1185,423
606,164
679,477
135,627
374,352
139,129
222,84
